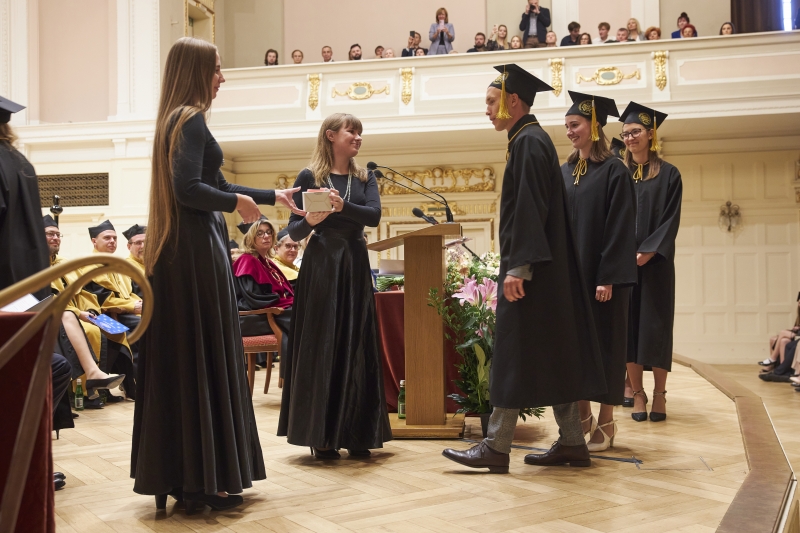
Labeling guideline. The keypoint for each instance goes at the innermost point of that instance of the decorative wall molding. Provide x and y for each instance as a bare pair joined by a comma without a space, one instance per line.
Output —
556,73
360,90
660,64
442,180
75,190
608,76
313,90
407,75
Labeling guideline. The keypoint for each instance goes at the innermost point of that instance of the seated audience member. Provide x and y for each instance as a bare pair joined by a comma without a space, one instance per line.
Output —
271,58
136,236
378,52
683,20
585,39
441,34
498,38
602,33
534,23
388,53
727,28
551,40
634,31
516,43
782,337
418,41
297,57
411,49
286,251
574,35
260,283
653,33
420,52
480,43
355,53
327,54
622,36
688,31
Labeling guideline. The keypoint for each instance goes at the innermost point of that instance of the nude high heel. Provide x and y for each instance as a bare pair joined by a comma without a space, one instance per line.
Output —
608,442
593,426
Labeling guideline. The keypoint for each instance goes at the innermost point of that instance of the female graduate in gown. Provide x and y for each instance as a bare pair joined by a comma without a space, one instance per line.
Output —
333,387
600,203
658,190
194,433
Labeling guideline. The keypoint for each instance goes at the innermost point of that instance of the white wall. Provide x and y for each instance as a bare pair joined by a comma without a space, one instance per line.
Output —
246,29
707,16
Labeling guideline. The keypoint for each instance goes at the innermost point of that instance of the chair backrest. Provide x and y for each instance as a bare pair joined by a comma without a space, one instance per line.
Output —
26,347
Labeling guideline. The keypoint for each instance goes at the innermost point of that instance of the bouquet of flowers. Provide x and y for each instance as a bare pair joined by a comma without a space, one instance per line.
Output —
468,305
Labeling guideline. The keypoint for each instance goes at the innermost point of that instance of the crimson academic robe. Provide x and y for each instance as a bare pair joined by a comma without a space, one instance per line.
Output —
546,351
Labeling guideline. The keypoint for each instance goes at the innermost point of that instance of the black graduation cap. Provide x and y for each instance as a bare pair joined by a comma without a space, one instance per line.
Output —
618,147
244,226
97,230
134,230
49,221
647,117
282,233
597,109
7,107
516,80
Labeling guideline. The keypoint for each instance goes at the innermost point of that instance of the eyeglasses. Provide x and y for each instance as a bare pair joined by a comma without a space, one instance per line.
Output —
137,243
631,134
292,246
52,235
260,234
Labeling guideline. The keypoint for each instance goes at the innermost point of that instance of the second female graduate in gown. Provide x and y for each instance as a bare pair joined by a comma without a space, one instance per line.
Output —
333,387
600,203
659,191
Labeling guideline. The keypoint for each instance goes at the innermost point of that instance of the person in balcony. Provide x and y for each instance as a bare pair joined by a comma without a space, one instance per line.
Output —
683,20
659,190
551,40
355,53
602,33
534,23
271,58
442,34
653,33
573,39
498,38
600,201
327,54
622,36
634,30
516,43
420,52
388,53
585,39
688,31
297,57
727,28
378,52
480,43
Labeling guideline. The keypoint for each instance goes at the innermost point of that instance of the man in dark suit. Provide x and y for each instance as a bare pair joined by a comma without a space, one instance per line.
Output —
534,23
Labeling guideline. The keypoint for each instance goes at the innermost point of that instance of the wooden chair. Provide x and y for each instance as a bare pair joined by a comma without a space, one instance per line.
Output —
263,343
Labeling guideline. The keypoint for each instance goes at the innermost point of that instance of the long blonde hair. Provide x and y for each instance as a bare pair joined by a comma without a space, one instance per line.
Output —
249,241
7,134
185,91
322,158
599,151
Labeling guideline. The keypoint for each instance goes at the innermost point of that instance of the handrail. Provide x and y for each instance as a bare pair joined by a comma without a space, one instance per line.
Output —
49,318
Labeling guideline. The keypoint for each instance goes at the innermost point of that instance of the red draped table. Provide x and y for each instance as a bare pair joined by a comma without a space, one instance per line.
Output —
389,309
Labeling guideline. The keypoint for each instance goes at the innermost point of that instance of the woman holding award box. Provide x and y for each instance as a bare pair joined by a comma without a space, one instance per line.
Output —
335,367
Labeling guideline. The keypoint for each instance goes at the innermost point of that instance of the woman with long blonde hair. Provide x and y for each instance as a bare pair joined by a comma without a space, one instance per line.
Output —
194,434
335,367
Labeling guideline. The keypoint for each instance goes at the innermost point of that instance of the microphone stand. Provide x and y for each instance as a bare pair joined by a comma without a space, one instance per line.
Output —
443,201
461,242
380,175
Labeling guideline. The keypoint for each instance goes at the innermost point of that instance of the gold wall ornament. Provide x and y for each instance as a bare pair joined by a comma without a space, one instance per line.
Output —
201,17
361,90
441,180
608,76
660,61
556,70
407,74
313,90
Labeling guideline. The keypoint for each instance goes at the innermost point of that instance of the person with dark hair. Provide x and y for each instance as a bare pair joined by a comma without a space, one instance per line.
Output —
602,33
413,44
355,53
683,20
534,24
442,34
379,52
327,54
585,39
573,39
727,28
688,31
480,43
271,58
135,236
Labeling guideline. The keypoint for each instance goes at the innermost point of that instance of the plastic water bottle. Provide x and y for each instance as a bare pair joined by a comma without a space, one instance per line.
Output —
78,396
401,400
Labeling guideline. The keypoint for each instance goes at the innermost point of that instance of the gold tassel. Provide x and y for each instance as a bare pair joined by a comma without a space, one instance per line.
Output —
595,126
580,170
639,173
503,112
654,146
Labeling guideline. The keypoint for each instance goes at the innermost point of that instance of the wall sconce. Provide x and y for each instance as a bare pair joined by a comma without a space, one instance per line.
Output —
729,217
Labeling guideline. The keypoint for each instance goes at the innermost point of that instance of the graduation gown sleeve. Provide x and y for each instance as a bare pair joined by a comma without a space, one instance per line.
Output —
662,240
251,296
617,258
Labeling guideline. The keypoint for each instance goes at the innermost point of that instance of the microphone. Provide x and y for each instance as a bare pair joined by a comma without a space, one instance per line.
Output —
417,212
379,174
449,214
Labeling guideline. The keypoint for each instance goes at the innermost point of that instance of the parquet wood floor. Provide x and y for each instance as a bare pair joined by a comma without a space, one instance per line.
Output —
692,466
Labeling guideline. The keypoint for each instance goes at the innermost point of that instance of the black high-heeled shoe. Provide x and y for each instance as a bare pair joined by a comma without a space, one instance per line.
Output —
358,453
111,382
195,501
658,417
641,416
59,475
161,499
325,454
627,402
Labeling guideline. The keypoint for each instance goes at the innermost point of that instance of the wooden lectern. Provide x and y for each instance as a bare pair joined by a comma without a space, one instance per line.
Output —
425,269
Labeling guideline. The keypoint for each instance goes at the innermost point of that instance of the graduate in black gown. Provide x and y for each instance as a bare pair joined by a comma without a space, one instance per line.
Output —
333,383
600,202
194,432
545,349
659,191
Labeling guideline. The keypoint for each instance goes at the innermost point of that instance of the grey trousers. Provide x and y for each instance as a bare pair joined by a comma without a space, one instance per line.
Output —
503,421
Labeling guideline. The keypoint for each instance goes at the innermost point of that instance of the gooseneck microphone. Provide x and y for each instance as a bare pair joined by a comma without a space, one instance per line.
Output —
379,174
449,214
417,212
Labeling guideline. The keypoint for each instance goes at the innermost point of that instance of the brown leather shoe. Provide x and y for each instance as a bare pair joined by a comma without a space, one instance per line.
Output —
480,456
561,455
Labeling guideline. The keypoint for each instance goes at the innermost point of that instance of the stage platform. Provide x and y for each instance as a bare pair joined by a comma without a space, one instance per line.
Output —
679,475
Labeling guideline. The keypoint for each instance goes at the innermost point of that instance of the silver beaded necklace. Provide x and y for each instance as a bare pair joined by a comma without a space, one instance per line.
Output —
346,196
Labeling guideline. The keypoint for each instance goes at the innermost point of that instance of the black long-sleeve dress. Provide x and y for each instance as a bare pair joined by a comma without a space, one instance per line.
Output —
602,214
652,314
335,367
194,426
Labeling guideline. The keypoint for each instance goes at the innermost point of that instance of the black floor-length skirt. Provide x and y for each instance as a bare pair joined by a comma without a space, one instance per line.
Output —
611,325
194,426
333,386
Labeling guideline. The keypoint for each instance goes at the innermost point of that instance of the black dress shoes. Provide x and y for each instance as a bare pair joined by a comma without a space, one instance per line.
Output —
480,456
59,475
775,378
559,455
358,453
325,454
58,483
196,500
96,403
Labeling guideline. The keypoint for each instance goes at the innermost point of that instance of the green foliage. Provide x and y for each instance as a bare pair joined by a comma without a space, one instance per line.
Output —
384,283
